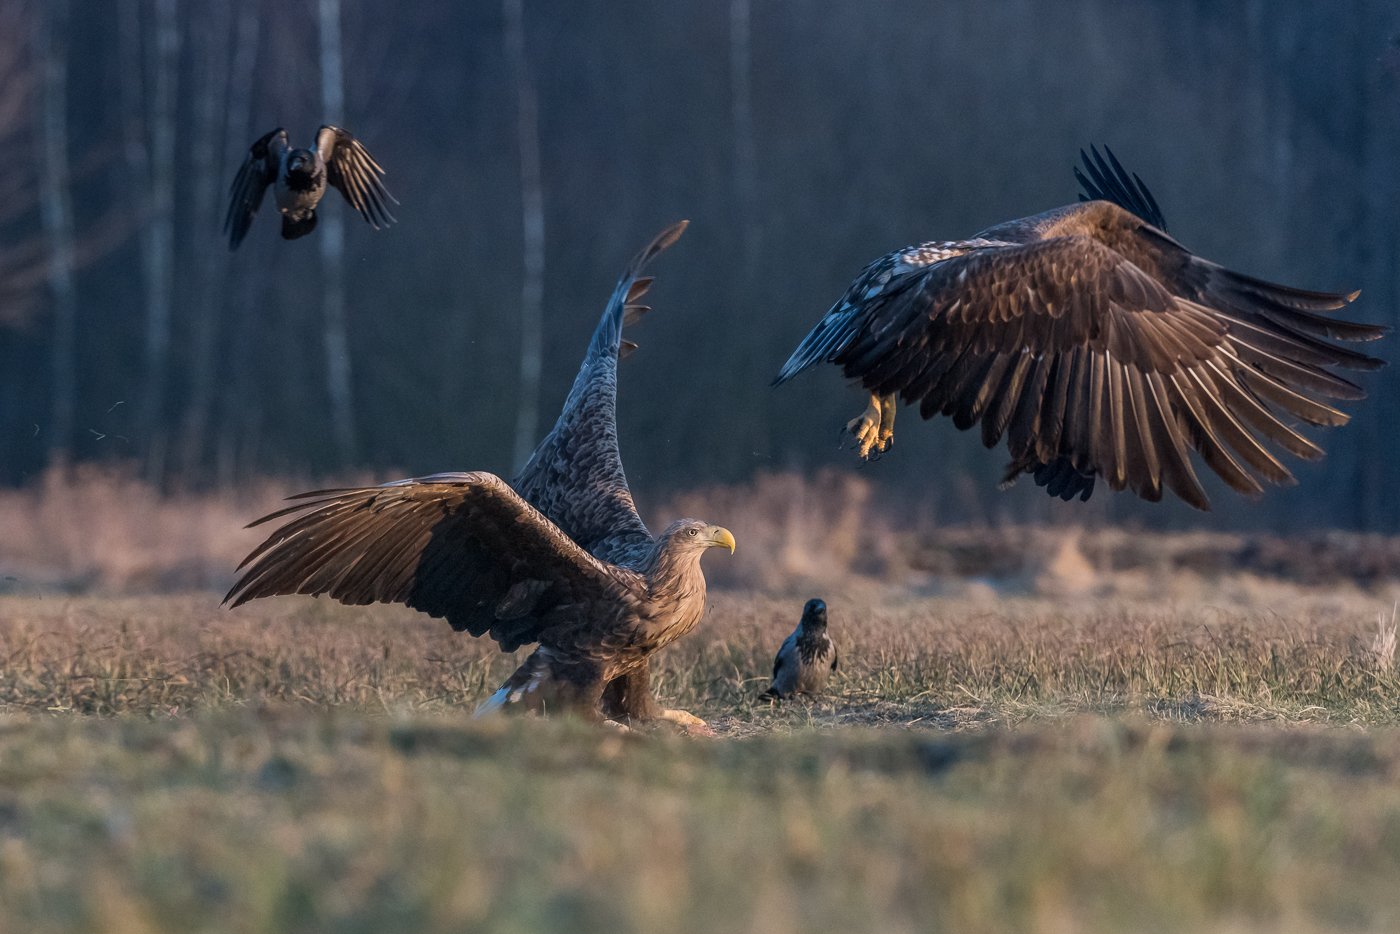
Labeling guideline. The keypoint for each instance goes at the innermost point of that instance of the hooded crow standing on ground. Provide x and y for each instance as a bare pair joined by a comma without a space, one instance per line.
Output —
806,658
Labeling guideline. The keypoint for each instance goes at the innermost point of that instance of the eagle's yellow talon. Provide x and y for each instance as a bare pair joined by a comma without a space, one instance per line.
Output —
887,406
688,722
864,431
873,429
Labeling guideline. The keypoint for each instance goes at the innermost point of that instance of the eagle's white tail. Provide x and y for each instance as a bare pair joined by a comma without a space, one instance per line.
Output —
493,703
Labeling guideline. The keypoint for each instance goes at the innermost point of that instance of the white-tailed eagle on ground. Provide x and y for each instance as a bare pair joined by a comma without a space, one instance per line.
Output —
558,556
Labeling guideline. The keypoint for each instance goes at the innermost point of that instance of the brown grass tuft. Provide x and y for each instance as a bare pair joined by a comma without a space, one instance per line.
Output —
795,532
1383,645
103,531
950,661
92,528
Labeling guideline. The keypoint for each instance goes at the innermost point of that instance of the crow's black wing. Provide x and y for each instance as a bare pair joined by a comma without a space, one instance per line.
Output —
259,169
354,173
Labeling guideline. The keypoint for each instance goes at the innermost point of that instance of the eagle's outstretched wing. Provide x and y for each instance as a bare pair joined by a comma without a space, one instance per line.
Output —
355,174
464,547
1099,346
259,169
575,475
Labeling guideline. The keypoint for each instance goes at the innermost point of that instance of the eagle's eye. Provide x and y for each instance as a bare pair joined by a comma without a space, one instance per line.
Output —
691,531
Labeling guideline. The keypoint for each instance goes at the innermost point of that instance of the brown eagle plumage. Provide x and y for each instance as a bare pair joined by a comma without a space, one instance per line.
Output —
1098,346
558,556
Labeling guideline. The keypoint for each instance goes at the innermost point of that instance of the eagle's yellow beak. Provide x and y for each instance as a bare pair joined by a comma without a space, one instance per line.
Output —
722,536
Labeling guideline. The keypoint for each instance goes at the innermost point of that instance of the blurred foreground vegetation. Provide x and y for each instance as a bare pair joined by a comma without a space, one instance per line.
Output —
277,819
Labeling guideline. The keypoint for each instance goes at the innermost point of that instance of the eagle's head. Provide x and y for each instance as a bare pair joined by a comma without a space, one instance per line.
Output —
686,536
814,615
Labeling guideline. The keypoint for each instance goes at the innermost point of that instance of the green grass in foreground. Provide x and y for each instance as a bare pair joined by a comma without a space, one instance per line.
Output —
284,818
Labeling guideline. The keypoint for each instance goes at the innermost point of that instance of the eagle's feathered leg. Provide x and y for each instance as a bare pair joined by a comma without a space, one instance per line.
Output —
873,429
628,698
628,701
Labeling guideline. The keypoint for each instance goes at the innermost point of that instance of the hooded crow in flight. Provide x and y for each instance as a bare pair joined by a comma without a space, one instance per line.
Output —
298,178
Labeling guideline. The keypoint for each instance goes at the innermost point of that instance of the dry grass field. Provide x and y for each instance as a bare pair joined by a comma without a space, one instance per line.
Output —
1032,729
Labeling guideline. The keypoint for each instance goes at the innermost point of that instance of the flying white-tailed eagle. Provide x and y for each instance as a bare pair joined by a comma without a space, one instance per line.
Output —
1097,345
299,177
558,556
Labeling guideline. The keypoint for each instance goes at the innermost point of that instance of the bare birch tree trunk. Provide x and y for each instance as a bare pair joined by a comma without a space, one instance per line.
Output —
158,241
212,102
532,226
331,234
751,284
236,406
130,69
745,155
56,206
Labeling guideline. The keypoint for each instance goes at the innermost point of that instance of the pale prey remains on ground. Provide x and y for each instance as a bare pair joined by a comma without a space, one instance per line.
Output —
1097,345
558,556
806,658
299,177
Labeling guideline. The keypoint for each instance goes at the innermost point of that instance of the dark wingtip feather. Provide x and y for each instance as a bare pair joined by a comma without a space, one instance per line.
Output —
1060,478
658,243
1105,179
640,285
669,236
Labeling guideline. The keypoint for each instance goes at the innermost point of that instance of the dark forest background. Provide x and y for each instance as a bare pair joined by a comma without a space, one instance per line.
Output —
534,145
